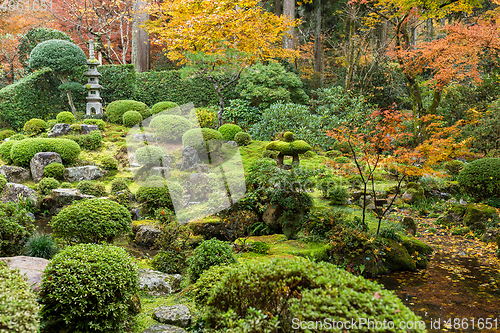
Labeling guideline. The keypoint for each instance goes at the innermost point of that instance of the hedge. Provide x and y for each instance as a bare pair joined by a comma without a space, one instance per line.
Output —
23,151
118,82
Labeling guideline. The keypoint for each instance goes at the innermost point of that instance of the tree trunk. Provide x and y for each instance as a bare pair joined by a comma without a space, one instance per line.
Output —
68,94
289,11
221,105
430,30
140,39
318,45
277,7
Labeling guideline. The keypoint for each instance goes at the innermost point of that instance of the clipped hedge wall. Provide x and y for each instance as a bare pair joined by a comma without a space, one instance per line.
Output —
118,82
23,151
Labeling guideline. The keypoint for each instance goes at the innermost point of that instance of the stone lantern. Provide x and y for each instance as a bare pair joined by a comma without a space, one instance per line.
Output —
94,105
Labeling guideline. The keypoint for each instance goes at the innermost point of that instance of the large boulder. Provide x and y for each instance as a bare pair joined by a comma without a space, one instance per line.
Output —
40,161
146,235
158,283
209,228
397,257
15,174
413,193
164,328
86,129
177,315
477,216
12,192
66,196
190,158
271,216
32,268
88,172
59,129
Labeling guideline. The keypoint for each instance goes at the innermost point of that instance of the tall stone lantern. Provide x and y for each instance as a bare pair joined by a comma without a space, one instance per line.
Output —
94,99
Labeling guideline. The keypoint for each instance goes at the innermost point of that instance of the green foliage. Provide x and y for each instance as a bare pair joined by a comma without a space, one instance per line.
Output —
207,281
66,185
228,131
390,233
116,109
454,167
149,155
118,82
41,246
209,253
54,170
320,223
23,151
242,139
131,118
152,198
347,243
6,133
76,128
99,122
169,127
169,108
169,261
287,289
15,227
173,242
263,85
481,178
118,184
51,124
61,56
91,187
202,139
241,113
6,147
289,148
89,288
109,163
91,141
3,182
65,117
34,126
203,117
74,87
92,221
47,184
18,303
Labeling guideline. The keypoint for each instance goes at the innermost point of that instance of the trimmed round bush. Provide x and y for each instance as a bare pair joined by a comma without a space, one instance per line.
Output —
47,184
15,227
23,151
91,187
169,127
6,133
481,178
198,138
118,184
41,246
168,107
116,109
51,124
92,221
65,117
89,288
203,118
295,288
18,304
109,163
242,138
131,118
54,170
454,167
66,185
34,126
6,147
209,253
61,56
18,137
99,122
160,196
228,131
207,281
76,128
149,155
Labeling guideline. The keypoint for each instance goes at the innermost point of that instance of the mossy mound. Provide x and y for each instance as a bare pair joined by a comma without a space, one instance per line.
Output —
414,193
397,257
478,216
413,245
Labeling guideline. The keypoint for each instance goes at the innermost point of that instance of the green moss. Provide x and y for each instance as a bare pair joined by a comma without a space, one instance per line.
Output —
397,257
413,245
478,215
289,148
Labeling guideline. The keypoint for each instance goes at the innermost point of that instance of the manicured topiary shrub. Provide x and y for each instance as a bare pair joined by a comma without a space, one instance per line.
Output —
169,127
242,138
92,221
5,151
481,178
289,146
54,170
207,281
91,187
6,133
314,292
203,118
66,185
41,246
109,163
65,117
116,109
454,167
15,227
34,127
76,128
18,137
99,122
23,151
228,131
51,124
47,184
90,141
168,107
118,184
18,304
149,155
199,138
159,196
209,253
131,118
89,288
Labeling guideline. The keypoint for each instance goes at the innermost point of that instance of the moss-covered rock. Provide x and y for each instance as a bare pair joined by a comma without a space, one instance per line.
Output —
397,257
413,193
477,216
454,216
410,225
208,228
413,245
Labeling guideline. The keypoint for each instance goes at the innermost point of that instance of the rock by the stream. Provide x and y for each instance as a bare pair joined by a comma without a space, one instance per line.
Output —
66,196
88,172
164,328
40,161
59,129
177,315
478,215
32,268
86,129
146,235
397,257
12,192
190,158
157,283
15,174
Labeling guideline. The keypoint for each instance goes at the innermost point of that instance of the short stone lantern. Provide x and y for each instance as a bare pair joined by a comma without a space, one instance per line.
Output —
94,99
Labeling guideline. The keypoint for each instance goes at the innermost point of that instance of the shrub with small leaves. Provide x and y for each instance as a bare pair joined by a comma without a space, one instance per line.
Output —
169,127
481,178
203,118
207,281
169,261
76,128
166,108
116,109
154,197
91,187
202,139
65,117
34,127
242,138
15,227
207,254
89,288
109,163
41,246
66,185
454,167
228,131
54,170
319,223
149,155
131,118
51,124
47,184
22,151
6,133
119,184
3,182
99,122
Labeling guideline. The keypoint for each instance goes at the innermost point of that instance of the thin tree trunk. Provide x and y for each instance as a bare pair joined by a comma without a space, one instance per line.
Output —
318,45
277,7
289,11
140,39
68,94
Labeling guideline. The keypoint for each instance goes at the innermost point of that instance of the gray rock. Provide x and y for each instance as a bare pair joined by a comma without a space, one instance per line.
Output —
168,159
59,129
15,174
158,283
88,172
271,216
190,158
86,129
463,202
32,216
32,268
410,225
66,196
177,315
232,143
12,192
143,137
135,165
146,235
203,168
163,328
40,161
136,216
